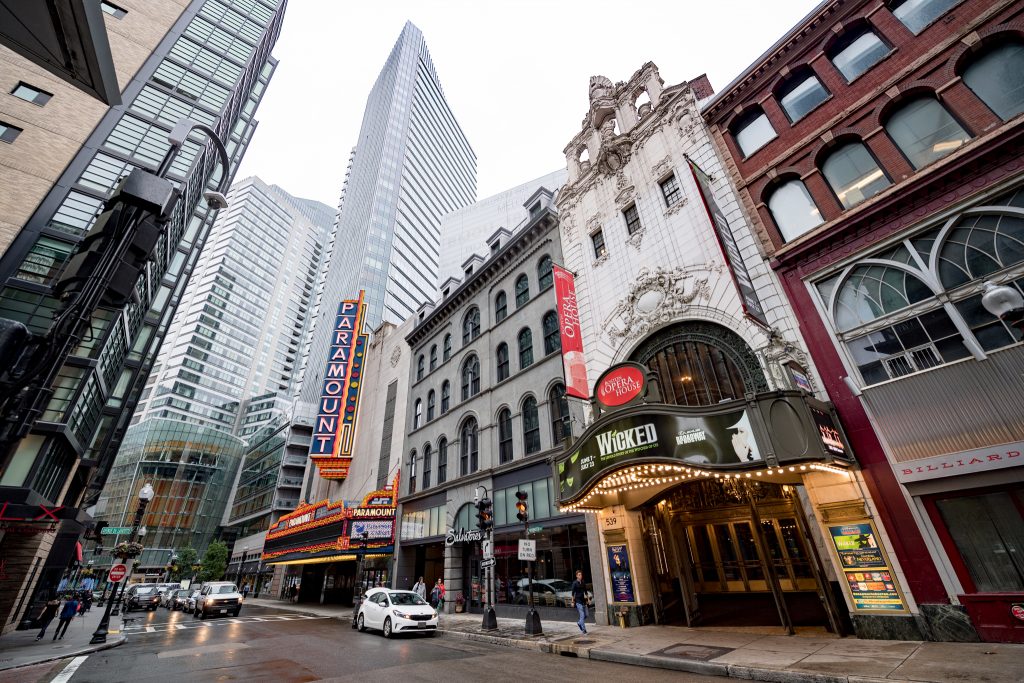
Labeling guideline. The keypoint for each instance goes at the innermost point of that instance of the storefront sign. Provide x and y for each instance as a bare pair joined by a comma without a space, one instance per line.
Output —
527,550
1017,611
712,440
726,240
621,573
573,362
621,385
964,462
857,546
463,536
869,578
334,434
831,438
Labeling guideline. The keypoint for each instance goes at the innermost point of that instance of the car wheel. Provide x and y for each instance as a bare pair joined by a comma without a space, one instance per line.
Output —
237,612
387,628
360,625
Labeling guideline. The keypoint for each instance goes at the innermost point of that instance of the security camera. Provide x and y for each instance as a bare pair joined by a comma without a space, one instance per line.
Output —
215,200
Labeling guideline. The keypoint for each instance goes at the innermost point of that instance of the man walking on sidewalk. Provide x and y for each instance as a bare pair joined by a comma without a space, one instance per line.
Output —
66,615
420,589
579,600
49,612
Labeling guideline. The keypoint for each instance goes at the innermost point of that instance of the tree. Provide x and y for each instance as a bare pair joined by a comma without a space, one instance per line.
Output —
215,562
187,557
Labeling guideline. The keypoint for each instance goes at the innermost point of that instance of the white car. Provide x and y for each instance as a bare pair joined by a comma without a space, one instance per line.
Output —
395,612
556,592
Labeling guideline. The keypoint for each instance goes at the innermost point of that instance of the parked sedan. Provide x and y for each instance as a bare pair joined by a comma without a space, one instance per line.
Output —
395,612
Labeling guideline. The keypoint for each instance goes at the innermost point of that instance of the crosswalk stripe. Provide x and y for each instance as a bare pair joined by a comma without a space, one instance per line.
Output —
149,629
179,626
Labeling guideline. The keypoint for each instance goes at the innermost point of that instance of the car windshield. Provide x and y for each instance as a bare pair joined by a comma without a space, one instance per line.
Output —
145,591
406,599
223,589
181,594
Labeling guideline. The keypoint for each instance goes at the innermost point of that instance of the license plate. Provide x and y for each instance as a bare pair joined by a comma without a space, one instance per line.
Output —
223,611
421,624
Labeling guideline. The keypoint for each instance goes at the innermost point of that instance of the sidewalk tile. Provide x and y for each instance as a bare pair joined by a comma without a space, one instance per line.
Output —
787,644
879,667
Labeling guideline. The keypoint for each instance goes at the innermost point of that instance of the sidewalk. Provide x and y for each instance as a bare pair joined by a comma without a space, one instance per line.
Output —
19,648
748,654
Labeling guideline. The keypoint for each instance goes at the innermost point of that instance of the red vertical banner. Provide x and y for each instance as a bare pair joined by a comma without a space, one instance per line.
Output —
573,362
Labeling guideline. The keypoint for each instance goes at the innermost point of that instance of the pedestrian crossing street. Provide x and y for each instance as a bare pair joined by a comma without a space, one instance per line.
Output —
138,629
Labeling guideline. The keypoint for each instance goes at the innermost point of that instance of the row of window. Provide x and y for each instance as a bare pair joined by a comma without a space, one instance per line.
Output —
469,441
471,368
921,128
853,52
471,320
671,192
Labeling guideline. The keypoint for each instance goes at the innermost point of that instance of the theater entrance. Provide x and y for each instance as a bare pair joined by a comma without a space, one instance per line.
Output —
736,553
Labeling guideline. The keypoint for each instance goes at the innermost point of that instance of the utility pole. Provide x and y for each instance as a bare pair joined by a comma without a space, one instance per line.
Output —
485,522
533,627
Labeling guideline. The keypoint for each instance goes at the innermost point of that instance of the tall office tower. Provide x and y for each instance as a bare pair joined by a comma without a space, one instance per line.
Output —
204,60
412,166
227,367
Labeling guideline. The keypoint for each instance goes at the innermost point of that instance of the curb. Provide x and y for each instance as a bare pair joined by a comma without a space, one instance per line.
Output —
114,642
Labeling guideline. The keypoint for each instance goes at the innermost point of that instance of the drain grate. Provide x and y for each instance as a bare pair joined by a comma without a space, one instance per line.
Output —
583,641
691,651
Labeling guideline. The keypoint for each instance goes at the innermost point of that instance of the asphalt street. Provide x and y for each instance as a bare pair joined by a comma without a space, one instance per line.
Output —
270,645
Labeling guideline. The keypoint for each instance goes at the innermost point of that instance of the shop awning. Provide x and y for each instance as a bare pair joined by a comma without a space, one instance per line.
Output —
630,456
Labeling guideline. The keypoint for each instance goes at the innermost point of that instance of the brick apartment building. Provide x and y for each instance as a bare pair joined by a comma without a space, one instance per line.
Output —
877,149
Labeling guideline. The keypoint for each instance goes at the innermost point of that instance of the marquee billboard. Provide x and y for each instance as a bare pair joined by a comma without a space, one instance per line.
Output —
334,431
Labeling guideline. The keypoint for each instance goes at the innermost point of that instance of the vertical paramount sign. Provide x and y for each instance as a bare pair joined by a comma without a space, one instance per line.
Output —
334,432
573,362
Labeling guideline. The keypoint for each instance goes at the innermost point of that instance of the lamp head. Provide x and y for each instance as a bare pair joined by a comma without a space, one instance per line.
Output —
146,492
142,532
1001,300
215,200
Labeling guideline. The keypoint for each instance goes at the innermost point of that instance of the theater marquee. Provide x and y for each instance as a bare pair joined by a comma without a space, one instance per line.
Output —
334,433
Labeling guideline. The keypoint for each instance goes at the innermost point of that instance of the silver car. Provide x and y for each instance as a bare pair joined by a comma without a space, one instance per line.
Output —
190,601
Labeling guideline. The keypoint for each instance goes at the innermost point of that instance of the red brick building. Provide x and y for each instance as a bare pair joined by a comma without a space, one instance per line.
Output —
877,148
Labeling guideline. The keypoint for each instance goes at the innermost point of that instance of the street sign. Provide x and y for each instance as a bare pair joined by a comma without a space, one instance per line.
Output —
535,529
527,549
487,563
117,572
116,531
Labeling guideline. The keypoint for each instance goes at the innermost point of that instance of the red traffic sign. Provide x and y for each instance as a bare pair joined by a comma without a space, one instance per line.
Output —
117,572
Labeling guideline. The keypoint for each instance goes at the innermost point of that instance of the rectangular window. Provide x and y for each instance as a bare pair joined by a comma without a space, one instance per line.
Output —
31,94
988,532
45,260
632,217
8,133
598,240
670,190
113,10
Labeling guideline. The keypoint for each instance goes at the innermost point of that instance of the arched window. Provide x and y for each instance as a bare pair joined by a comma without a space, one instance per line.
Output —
874,291
793,209
417,420
856,51
752,131
419,367
522,290
525,348
504,436
503,364
471,325
917,15
552,339
545,274
447,352
442,460
801,94
500,307
531,426
980,244
446,396
853,174
924,131
428,457
433,357
469,453
412,472
559,406
431,404
470,378
997,78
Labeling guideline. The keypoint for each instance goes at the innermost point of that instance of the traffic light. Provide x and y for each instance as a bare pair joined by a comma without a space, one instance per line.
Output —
523,514
484,515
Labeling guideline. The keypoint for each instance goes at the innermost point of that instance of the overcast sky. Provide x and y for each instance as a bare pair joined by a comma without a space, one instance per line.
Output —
515,73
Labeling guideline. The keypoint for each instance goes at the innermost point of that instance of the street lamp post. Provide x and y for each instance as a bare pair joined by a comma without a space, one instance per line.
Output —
490,621
145,495
357,592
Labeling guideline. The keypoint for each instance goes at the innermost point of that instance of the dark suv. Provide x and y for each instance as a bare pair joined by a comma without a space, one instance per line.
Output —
143,597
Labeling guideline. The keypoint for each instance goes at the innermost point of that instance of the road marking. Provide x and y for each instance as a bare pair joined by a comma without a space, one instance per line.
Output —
203,649
69,671
149,629
180,627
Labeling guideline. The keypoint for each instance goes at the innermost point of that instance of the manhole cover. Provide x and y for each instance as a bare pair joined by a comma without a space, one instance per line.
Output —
689,651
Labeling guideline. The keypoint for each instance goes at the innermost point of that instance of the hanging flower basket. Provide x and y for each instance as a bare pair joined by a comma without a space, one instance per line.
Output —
127,550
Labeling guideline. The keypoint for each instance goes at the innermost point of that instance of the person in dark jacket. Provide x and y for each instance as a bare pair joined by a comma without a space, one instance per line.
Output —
49,612
579,600
66,615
